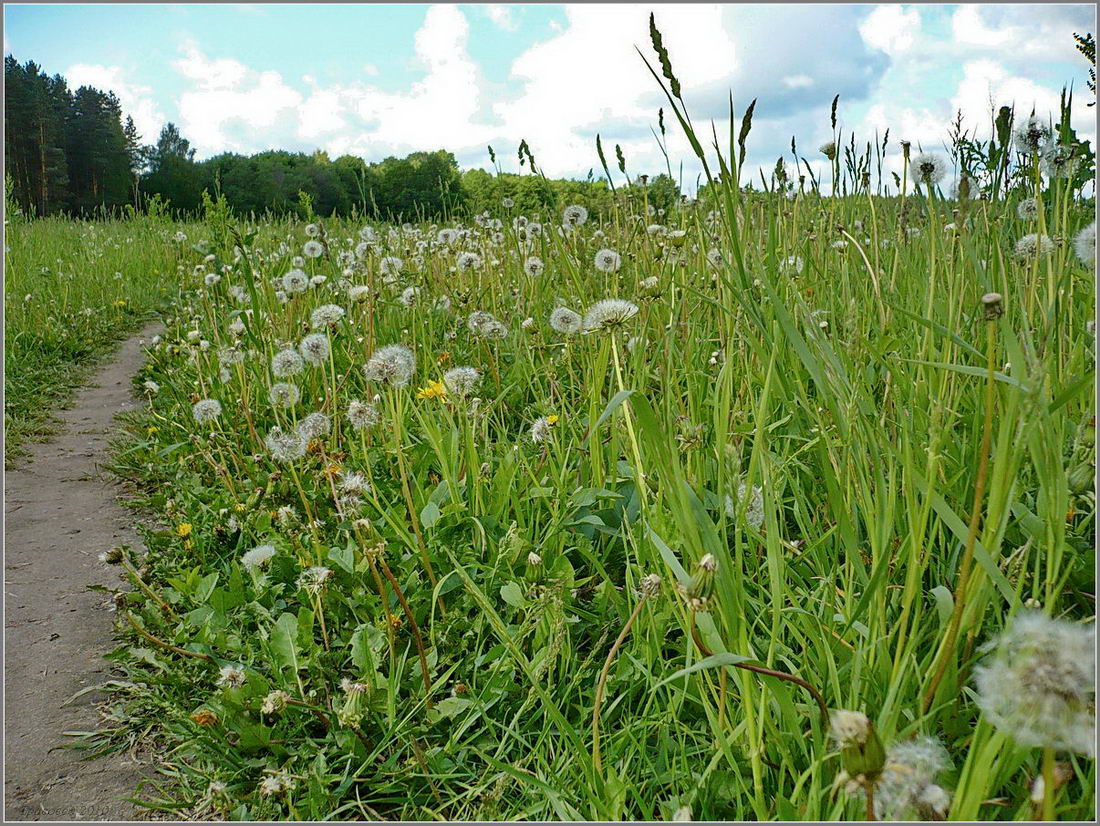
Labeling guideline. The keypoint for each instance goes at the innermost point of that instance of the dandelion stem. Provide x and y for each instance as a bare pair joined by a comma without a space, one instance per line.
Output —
948,647
601,684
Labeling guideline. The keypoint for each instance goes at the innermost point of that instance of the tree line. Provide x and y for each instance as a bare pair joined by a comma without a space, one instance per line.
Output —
73,152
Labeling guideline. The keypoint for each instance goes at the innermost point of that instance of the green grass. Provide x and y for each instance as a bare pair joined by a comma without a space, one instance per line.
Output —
482,584
62,312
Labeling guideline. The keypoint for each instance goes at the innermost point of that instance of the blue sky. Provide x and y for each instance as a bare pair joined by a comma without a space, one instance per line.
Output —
389,79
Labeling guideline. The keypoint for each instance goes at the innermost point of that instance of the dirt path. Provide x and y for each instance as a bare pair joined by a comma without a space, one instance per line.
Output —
61,512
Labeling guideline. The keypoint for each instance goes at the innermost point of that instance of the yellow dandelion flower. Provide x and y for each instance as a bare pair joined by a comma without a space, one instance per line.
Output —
433,390
152,430
551,419
120,303
183,530
240,507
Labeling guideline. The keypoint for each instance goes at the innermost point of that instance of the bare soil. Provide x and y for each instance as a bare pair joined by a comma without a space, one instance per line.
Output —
61,511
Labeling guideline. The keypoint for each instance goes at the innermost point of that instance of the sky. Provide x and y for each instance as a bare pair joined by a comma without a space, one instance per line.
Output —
381,80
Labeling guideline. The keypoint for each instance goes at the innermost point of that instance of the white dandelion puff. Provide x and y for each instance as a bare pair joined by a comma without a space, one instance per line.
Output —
286,363
607,260
462,381
312,249
257,557
362,415
326,315
608,313
1033,246
1084,244
315,348
206,411
283,394
392,364
284,447
928,168
566,321
1038,683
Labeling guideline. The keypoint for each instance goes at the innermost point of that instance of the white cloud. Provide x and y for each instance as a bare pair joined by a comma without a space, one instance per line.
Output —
891,29
586,76
501,16
136,99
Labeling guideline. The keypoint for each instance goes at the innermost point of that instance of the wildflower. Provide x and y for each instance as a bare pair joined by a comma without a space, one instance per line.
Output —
446,236
1038,683
315,348
462,381
361,414
1059,161
409,296
467,261
608,261
476,320
276,784
754,508
698,590
564,320
313,231
828,149
151,386
286,363
608,313
206,411
231,676
183,530
353,482
1031,134
391,266
1033,246
432,390
507,203
358,292
283,394
313,580
393,365
314,426
929,169
534,560
257,557
540,428
295,281
1027,209
533,266
907,789
650,585
791,265
574,215
861,751
312,249
326,315
274,702
442,304
284,447
1084,244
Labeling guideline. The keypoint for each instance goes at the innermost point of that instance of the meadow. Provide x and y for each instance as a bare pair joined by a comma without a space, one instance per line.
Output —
773,505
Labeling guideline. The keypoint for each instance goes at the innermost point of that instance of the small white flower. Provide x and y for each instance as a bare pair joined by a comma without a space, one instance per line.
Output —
206,411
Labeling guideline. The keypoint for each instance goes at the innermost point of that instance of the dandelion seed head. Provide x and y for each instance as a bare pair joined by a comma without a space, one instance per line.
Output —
928,169
1084,244
392,364
326,315
257,557
462,381
362,415
206,411
1037,684
284,447
609,313
607,260
566,321
286,363
283,395
315,348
